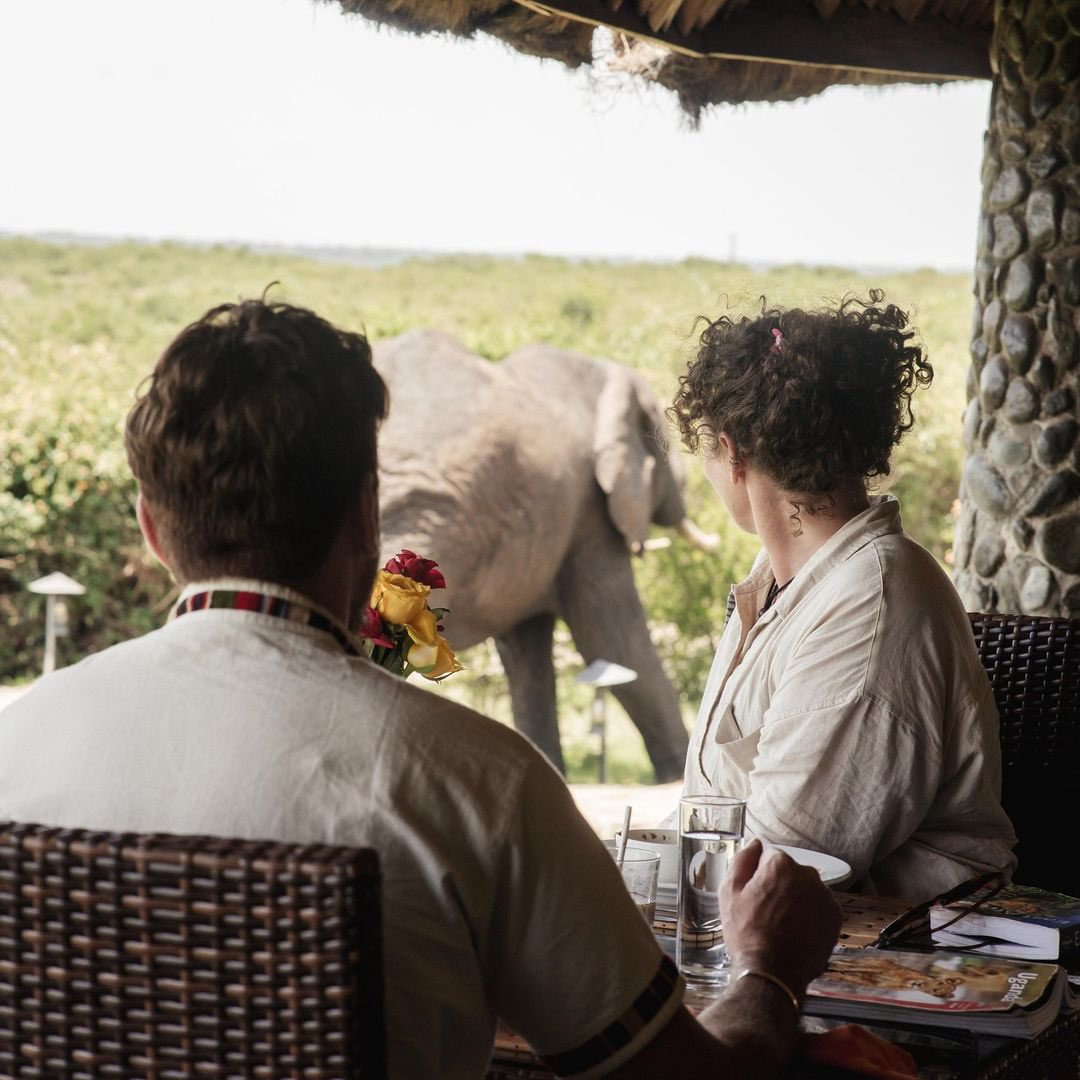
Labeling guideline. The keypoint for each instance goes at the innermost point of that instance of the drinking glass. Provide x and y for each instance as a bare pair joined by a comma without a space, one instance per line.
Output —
710,833
640,873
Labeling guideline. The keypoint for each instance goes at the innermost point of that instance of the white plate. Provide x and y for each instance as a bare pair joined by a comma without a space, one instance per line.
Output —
833,871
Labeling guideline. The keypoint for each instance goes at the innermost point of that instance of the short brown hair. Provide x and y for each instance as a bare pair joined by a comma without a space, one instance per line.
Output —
252,438
818,408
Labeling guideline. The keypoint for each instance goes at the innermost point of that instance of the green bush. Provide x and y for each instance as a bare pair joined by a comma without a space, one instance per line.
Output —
80,326
66,503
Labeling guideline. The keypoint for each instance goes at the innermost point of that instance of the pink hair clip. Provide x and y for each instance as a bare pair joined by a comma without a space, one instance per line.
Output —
778,340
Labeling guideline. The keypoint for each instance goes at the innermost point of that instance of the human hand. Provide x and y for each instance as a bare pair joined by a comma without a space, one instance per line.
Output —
777,916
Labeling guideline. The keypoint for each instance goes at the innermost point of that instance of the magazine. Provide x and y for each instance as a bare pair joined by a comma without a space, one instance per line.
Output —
1018,921
942,989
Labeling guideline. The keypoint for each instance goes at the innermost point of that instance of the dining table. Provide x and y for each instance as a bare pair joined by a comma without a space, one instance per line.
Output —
940,1053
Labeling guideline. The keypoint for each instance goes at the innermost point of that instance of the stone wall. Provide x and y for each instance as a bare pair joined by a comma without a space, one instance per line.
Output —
1018,538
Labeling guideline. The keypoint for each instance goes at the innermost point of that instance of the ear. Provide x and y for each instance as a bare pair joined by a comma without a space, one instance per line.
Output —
627,456
726,450
145,516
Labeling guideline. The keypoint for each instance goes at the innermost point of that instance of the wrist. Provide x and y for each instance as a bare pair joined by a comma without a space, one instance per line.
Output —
788,973
781,987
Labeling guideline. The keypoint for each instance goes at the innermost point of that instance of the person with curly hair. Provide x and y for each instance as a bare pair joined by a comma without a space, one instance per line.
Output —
846,702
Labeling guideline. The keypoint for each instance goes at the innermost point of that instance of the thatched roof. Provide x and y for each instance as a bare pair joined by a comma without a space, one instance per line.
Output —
726,51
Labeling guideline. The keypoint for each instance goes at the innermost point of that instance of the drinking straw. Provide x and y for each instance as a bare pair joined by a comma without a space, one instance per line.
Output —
624,837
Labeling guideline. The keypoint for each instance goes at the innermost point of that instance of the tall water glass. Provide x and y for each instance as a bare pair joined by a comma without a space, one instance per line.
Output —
710,833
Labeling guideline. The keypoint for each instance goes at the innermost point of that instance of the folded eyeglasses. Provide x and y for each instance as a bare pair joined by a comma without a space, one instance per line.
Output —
912,929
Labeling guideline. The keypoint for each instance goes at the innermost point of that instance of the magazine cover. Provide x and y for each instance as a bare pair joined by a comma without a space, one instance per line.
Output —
936,981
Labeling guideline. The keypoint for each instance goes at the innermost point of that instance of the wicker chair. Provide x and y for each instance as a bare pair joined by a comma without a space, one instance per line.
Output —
168,956
1034,666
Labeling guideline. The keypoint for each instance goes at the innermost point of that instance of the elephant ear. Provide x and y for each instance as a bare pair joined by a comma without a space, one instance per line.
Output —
625,453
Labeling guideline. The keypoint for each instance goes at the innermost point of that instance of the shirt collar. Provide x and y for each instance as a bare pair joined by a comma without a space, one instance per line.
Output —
272,589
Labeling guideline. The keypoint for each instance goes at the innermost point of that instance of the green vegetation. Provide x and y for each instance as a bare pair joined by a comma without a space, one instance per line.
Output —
81,325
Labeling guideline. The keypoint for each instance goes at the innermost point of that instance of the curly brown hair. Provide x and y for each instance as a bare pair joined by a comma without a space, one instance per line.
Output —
252,437
817,408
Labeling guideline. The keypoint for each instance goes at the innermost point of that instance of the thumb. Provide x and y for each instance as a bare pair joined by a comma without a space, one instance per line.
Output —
744,865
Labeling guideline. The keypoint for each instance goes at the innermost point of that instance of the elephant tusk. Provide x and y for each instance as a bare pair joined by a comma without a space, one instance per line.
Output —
703,540
654,543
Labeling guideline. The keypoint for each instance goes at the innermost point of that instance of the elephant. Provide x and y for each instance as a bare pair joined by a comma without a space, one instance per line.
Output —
532,481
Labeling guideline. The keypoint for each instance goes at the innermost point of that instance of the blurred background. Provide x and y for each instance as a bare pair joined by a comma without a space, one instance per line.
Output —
160,160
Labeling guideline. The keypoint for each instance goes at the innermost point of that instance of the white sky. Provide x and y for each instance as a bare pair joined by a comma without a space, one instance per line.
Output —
282,121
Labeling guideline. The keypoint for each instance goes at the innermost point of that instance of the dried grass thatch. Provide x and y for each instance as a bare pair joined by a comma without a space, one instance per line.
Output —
683,44
703,81
525,30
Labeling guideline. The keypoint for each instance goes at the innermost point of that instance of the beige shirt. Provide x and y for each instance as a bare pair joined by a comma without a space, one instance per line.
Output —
855,717
498,900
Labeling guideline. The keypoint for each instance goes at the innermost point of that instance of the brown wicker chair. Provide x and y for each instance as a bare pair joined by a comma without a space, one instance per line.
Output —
168,956
1034,666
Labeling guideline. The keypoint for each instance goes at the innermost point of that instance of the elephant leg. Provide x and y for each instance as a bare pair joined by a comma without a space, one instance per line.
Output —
525,652
601,607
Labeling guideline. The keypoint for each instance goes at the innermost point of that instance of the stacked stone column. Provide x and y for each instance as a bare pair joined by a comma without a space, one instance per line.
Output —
1018,538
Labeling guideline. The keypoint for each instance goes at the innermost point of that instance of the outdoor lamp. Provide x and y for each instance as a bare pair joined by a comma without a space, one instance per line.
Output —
602,674
53,587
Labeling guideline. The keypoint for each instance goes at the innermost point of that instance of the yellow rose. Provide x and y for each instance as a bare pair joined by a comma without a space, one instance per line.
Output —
399,599
424,628
428,650
446,663
422,657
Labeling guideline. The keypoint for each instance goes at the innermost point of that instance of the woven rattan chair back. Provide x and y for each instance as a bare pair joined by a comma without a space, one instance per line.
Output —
168,956
1034,667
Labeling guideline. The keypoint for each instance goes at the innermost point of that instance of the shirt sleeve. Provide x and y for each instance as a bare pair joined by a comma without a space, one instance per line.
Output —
850,779
573,966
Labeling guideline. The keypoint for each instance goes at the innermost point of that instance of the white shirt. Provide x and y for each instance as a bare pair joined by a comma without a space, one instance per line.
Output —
855,717
498,900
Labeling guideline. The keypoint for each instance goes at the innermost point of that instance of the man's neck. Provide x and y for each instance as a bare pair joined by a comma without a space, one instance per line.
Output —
332,594
339,586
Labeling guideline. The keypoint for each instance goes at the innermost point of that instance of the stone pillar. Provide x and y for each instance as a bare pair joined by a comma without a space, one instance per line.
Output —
1018,538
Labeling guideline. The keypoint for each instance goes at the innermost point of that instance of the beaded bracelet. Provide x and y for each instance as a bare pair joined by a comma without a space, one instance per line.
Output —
779,983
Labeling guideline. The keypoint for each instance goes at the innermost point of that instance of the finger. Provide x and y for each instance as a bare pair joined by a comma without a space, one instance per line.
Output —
781,858
780,863
744,865
775,865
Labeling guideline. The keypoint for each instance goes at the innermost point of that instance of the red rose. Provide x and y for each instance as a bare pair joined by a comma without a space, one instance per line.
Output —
413,566
373,628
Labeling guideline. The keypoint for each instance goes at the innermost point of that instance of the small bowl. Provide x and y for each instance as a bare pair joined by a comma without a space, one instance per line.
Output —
664,842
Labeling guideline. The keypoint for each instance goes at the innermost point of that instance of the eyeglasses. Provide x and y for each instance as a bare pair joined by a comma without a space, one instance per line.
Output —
912,929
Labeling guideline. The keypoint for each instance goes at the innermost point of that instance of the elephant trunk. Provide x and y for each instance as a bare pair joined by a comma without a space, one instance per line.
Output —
692,532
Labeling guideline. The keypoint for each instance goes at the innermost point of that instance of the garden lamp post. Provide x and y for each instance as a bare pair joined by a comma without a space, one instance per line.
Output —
602,674
53,587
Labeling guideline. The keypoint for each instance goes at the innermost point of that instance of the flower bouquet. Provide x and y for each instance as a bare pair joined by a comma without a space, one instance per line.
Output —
399,628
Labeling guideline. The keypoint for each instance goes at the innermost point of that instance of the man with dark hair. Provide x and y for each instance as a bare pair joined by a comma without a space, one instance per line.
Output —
254,713
253,440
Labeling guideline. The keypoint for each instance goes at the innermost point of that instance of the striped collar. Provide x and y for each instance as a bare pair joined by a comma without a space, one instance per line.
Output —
264,598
